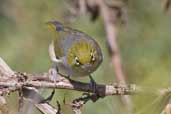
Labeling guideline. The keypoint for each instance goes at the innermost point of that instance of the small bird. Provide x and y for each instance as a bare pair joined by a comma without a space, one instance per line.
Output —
73,53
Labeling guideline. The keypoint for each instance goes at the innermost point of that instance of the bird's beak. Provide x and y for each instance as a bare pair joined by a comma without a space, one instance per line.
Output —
87,67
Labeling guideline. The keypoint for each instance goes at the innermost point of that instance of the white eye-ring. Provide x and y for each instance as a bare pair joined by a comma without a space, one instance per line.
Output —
92,57
77,62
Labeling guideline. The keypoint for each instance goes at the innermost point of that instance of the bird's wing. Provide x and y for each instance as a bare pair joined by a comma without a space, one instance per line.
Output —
57,30
63,35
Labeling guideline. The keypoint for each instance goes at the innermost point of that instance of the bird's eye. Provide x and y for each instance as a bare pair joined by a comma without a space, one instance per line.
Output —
92,57
77,62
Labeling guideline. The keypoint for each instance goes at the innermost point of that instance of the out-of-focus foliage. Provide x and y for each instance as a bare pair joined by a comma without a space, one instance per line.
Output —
145,43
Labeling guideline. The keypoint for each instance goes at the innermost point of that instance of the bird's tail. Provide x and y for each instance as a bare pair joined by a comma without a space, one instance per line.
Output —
55,26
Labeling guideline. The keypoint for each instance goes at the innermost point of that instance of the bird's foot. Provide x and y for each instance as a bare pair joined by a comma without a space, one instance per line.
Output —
53,74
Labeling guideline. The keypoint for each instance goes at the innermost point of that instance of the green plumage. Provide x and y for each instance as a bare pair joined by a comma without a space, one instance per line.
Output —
81,55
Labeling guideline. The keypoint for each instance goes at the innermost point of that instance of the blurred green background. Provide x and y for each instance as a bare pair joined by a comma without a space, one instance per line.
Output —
145,44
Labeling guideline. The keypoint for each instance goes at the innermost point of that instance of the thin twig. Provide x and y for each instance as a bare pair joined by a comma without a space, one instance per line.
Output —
21,102
64,83
5,70
24,81
5,73
34,97
167,4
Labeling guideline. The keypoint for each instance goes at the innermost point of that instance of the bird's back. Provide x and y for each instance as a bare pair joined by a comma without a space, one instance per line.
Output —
64,38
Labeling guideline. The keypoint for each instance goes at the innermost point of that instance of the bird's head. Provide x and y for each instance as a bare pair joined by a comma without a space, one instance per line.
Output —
84,56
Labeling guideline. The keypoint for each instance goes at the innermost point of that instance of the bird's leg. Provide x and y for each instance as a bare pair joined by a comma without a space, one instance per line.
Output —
93,84
53,73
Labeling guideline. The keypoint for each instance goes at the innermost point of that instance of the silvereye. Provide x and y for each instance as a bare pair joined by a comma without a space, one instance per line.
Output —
73,52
